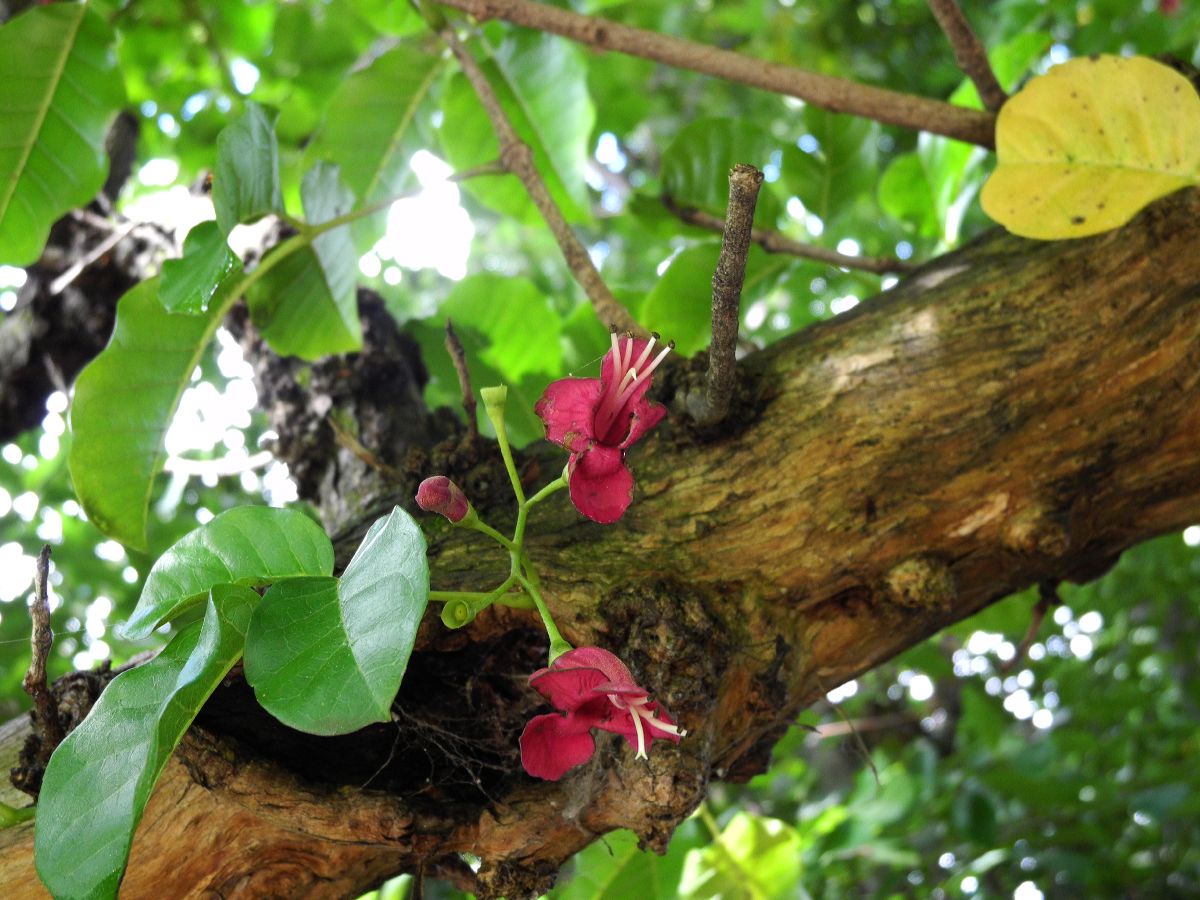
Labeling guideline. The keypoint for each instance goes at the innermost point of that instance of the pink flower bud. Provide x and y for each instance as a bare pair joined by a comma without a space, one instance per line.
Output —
441,495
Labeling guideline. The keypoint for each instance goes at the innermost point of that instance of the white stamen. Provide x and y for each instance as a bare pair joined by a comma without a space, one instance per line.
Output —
624,359
616,348
637,724
645,354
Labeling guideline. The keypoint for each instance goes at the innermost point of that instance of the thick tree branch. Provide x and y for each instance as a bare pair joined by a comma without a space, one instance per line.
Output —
825,91
1013,413
709,406
969,52
518,159
774,242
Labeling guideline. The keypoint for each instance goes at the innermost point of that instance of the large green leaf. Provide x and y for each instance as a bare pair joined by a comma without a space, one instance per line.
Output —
246,178
840,172
252,545
522,330
188,284
99,778
615,867
695,167
542,84
326,655
368,130
59,89
755,858
124,401
306,305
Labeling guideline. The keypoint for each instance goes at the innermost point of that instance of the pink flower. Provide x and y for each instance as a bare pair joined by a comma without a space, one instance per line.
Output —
598,419
439,494
595,690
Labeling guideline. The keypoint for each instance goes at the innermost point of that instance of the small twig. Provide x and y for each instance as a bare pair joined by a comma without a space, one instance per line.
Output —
518,159
774,242
710,406
1047,597
835,94
345,439
59,284
42,640
459,356
871,723
969,52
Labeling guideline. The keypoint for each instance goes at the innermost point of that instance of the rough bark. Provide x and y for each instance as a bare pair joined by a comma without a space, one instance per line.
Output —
1011,413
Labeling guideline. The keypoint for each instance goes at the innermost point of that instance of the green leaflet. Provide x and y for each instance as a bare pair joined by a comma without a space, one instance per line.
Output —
124,401
541,82
306,305
59,89
327,656
190,283
99,779
250,545
369,128
246,177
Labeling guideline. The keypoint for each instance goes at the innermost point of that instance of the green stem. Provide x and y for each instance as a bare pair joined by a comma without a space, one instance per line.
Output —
506,452
558,645
11,815
556,485
484,528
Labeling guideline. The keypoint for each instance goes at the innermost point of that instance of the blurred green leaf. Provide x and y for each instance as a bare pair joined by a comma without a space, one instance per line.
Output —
124,400
99,778
522,331
246,176
615,867
325,655
188,284
756,858
307,305
59,89
249,545
541,82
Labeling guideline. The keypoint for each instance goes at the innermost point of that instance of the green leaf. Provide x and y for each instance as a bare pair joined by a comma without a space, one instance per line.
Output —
842,169
523,332
99,778
59,89
124,401
325,655
679,306
695,167
755,857
615,867
369,128
1084,147
188,284
541,82
246,178
250,545
307,305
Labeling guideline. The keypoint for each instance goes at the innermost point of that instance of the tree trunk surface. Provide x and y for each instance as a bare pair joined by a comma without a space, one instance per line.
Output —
1012,413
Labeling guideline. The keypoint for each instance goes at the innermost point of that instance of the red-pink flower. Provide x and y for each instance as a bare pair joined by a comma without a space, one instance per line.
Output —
595,690
438,494
598,419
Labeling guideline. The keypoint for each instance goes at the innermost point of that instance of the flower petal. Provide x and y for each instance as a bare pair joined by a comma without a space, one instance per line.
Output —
597,658
570,688
621,722
645,416
601,485
553,744
568,410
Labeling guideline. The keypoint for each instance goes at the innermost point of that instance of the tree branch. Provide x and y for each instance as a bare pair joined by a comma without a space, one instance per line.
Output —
710,405
969,52
825,91
518,159
42,639
774,242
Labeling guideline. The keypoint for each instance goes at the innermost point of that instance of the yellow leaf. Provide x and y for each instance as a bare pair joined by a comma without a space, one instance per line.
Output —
1087,145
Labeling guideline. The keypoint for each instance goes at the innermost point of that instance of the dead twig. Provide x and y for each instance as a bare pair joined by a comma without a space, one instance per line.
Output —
518,159
774,242
969,52
835,94
1047,597
709,406
459,356
41,641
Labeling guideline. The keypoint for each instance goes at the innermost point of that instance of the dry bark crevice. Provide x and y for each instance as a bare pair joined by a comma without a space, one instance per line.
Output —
1012,413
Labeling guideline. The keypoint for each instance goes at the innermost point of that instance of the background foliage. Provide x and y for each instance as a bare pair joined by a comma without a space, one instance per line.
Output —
1067,775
